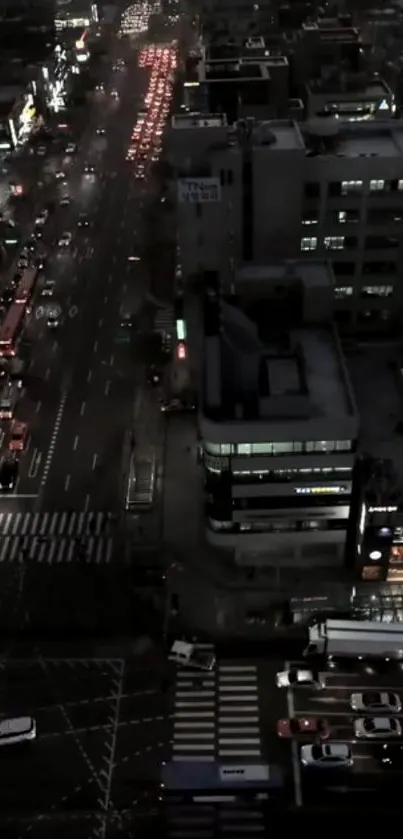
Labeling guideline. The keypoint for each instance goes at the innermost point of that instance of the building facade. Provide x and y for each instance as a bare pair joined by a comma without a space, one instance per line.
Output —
258,191
278,422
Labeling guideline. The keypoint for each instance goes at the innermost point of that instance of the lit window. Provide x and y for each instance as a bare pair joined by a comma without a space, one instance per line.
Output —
334,243
309,243
309,220
376,186
348,187
377,290
343,291
400,185
244,448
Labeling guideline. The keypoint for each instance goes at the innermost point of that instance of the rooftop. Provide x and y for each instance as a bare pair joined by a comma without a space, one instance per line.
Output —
258,370
346,85
8,96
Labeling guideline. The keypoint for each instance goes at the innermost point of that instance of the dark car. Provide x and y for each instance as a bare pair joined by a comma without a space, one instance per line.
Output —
101,131
83,221
390,756
7,296
8,474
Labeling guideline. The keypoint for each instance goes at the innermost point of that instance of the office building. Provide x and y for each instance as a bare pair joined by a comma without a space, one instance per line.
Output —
255,192
277,420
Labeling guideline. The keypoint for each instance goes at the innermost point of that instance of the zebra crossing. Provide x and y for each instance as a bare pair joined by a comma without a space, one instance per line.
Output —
216,718
53,538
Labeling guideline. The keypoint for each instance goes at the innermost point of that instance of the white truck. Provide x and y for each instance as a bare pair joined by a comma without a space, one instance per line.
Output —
355,639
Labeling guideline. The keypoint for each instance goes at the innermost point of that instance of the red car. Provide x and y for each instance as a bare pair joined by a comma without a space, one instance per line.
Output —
19,436
301,726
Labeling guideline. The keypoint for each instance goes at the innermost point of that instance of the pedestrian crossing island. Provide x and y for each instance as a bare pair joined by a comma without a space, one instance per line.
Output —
56,538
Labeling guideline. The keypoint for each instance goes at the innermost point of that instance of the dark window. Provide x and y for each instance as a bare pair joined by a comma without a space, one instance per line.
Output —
381,242
312,189
371,268
343,269
334,188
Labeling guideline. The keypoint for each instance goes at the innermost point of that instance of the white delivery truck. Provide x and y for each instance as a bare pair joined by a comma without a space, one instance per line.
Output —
355,639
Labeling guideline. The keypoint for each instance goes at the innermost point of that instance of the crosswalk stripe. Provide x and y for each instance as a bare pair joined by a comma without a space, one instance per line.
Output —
217,713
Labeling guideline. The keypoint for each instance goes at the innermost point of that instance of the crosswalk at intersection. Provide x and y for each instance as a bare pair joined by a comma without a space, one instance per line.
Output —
55,538
216,719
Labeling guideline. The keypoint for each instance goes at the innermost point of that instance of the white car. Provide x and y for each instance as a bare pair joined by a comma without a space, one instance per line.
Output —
17,730
326,756
42,217
59,175
70,148
375,700
296,677
377,728
190,655
65,240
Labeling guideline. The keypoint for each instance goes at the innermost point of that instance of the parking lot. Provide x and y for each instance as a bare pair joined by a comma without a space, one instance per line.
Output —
368,775
101,727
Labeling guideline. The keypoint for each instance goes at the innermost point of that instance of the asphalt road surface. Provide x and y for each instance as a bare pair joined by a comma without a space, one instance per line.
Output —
102,730
81,393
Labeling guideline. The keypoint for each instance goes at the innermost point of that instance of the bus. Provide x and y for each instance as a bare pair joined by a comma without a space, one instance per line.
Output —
141,484
26,286
10,329
208,781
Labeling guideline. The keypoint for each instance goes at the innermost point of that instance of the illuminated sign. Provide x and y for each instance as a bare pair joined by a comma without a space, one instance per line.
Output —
181,352
382,509
181,330
335,490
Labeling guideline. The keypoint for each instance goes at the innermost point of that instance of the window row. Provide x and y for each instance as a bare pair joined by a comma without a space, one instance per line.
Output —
340,243
380,269
374,291
296,447
312,189
377,215
272,526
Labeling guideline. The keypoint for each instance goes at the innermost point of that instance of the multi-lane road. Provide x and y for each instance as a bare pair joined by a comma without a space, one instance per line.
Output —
82,378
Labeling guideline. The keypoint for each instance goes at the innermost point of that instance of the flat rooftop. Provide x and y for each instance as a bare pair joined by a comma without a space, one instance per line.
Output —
256,370
9,93
378,389
284,135
382,140
336,86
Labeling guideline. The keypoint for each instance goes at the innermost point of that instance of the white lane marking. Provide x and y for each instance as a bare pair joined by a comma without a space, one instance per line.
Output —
86,503
67,483
53,439
112,360
35,463
94,461
296,768
38,407
89,376
47,374
96,346
107,386
75,444
82,411
100,322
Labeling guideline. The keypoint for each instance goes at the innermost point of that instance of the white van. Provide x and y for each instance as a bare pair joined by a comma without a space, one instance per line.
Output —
17,730
190,655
